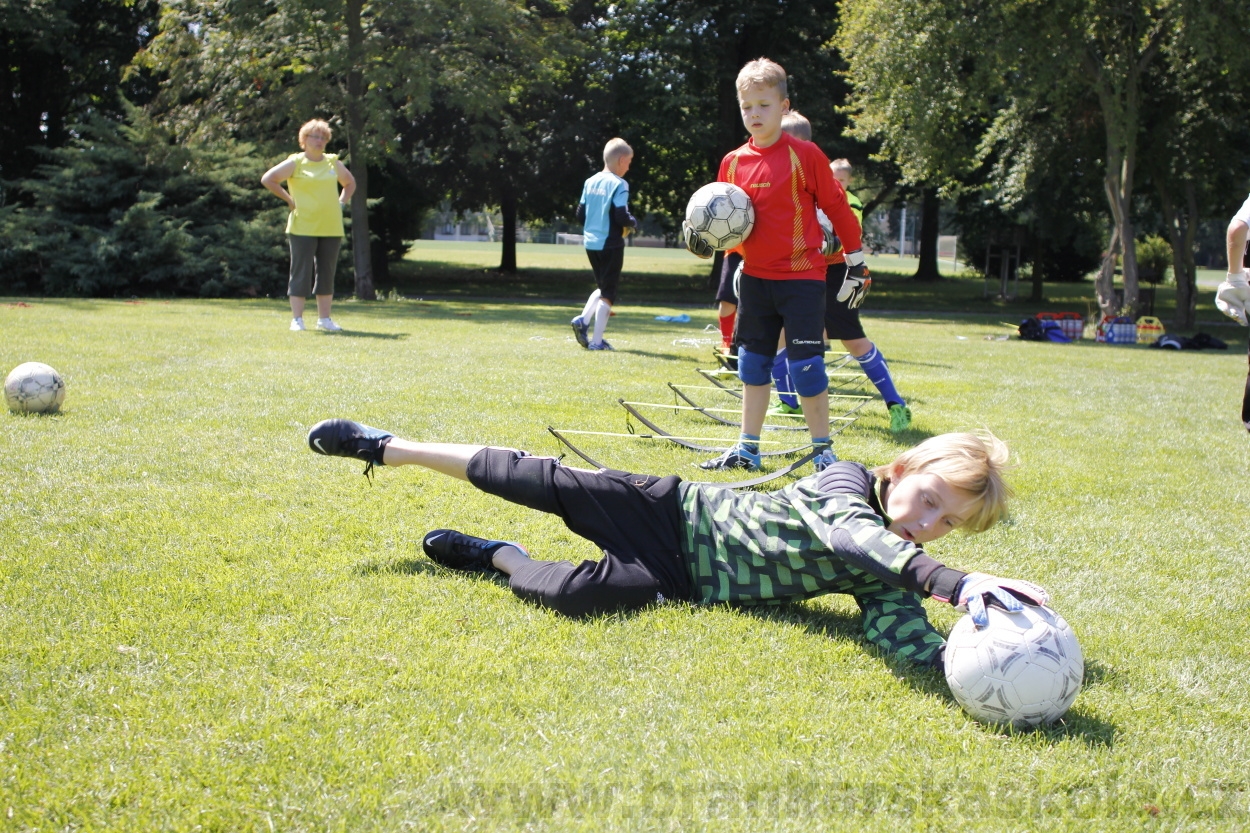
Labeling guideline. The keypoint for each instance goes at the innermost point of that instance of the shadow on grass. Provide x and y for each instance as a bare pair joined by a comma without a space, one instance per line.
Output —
364,334
402,566
1076,724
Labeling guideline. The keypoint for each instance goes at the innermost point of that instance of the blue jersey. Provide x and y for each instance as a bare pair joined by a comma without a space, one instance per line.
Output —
602,195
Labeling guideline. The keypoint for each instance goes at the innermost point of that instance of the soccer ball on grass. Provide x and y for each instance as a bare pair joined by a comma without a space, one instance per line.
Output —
1024,670
34,388
722,215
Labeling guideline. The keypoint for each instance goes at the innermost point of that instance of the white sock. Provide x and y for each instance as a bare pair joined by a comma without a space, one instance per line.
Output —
601,320
589,309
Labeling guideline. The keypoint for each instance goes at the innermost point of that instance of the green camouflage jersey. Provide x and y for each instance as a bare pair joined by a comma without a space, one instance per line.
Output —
823,534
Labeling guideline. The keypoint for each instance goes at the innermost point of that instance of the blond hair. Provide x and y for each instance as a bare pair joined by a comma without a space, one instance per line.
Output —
616,149
762,71
971,463
318,125
797,125
840,165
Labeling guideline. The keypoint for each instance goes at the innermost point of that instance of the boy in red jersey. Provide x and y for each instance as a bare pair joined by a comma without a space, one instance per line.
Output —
783,278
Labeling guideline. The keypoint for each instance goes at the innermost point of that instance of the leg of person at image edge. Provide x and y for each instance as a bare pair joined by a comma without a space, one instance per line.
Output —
620,581
1245,402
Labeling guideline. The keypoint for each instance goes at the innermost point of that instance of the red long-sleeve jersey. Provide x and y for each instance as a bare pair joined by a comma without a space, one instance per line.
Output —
787,181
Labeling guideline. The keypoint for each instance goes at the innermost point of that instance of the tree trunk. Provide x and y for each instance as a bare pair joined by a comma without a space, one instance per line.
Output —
1037,295
1181,229
362,255
1104,284
927,269
507,260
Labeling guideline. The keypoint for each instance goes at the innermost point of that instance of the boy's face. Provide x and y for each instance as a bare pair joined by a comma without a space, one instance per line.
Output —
762,109
843,176
924,507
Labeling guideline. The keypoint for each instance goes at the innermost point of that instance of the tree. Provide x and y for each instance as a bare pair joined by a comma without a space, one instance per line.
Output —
63,62
948,82
121,210
258,69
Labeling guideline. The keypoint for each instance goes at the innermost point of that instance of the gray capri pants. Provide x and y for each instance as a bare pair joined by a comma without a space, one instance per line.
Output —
313,261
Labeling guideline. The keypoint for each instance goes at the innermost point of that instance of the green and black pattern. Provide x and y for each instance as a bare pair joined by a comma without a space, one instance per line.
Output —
798,543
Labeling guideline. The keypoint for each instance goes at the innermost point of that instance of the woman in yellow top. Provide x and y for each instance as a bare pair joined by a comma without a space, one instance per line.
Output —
315,226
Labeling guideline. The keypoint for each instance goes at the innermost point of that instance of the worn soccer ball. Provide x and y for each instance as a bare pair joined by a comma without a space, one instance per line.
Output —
1024,670
34,388
722,214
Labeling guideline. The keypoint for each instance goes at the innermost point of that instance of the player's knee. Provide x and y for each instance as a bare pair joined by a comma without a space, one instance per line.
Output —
754,368
514,476
809,376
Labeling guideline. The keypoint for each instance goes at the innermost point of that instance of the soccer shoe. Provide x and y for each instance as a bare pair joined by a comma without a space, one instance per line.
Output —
824,459
602,345
782,409
900,417
461,552
328,325
735,458
579,331
297,325
344,438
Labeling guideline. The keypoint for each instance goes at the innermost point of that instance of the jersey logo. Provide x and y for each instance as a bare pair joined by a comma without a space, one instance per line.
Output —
761,185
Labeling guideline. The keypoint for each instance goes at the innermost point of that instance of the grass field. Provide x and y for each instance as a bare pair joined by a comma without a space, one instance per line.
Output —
207,627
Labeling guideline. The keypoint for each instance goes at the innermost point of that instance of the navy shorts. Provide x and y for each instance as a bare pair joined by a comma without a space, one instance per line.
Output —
841,322
725,291
635,519
768,305
607,265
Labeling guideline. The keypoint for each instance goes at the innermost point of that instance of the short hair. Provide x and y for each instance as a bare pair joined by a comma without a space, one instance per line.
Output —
315,124
762,71
840,165
971,463
797,125
616,149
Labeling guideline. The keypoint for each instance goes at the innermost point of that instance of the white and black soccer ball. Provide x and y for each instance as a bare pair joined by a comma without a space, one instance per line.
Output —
722,215
34,388
1024,670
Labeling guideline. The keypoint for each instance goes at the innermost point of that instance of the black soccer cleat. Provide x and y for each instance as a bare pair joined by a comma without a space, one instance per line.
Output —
459,551
344,438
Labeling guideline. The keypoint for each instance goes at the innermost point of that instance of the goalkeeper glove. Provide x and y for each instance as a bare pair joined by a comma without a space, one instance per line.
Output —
857,282
695,244
1232,297
978,589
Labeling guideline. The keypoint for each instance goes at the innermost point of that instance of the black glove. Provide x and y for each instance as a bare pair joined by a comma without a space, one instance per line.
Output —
695,244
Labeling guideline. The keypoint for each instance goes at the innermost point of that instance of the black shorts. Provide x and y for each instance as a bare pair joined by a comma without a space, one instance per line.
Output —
607,264
841,322
635,519
769,305
725,291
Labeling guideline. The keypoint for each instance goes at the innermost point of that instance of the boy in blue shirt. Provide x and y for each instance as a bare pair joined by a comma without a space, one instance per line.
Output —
604,213
843,530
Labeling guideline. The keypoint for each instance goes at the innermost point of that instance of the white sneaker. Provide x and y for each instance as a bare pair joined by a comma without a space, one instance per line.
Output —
297,325
328,325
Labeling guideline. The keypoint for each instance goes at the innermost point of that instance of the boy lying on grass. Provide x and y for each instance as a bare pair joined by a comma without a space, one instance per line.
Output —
843,530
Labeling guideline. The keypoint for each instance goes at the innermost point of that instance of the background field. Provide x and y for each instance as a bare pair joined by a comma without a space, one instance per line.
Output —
206,626
673,276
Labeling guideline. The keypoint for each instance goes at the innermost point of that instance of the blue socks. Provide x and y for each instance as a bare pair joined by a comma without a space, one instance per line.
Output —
875,369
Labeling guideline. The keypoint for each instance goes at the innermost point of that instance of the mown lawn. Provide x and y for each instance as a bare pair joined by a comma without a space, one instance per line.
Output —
207,627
